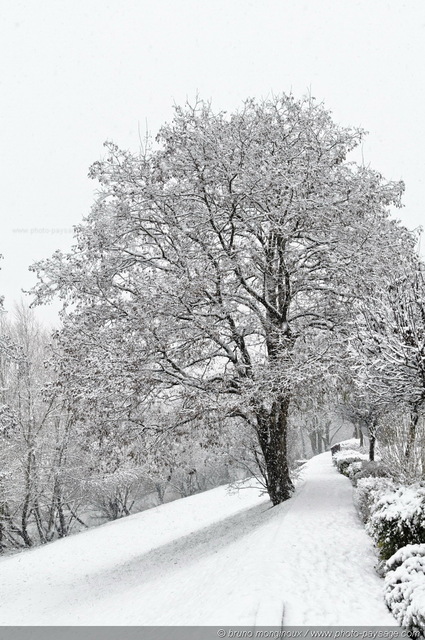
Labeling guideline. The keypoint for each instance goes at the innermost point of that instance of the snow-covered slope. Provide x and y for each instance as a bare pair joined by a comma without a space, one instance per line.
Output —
213,559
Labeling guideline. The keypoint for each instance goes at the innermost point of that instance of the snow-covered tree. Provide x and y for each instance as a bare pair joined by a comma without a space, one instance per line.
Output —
210,265
388,347
36,494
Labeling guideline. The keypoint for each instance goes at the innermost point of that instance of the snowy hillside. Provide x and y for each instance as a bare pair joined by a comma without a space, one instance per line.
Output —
213,558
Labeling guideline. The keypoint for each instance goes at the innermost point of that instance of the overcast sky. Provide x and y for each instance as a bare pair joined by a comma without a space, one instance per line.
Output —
75,73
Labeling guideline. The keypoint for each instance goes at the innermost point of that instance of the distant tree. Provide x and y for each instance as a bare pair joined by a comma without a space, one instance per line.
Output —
210,266
37,498
388,347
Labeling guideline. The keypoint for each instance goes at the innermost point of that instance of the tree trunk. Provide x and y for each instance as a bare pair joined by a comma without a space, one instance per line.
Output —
372,440
319,442
304,450
313,440
372,427
411,437
272,437
327,436
26,507
61,526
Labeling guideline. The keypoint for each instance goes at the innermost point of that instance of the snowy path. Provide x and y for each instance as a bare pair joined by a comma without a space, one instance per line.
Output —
321,563
212,559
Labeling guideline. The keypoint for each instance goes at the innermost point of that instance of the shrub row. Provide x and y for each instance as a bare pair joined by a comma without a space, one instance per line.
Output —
394,515
398,519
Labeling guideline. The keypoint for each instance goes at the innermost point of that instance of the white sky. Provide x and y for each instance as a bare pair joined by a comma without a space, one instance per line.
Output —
77,72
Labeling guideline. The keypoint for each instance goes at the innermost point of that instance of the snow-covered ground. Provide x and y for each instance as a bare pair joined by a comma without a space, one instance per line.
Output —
212,559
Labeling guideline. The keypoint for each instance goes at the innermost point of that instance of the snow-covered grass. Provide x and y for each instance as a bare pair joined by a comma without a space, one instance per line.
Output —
215,558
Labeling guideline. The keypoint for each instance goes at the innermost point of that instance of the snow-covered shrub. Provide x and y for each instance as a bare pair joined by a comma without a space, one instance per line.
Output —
369,469
405,587
354,468
398,519
344,458
353,444
368,491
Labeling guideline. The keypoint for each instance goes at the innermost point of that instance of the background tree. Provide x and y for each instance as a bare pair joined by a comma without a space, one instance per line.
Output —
387,348
37,496
213,263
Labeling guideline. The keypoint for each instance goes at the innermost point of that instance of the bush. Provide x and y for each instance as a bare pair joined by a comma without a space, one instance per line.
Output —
354,469
344,458
398,519
353,444
369,469
368,492
405,587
